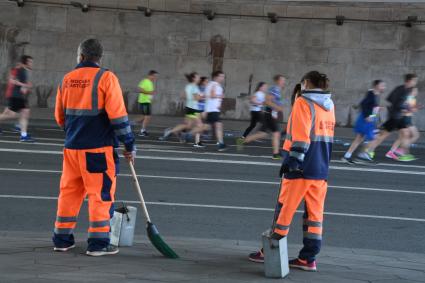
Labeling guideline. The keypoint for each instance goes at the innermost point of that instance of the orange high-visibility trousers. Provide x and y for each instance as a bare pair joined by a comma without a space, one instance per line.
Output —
313,192
88,173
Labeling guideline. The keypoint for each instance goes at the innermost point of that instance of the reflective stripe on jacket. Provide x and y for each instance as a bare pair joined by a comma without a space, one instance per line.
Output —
90,107
310,132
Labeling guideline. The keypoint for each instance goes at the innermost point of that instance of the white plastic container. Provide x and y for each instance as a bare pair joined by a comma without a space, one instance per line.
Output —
123,225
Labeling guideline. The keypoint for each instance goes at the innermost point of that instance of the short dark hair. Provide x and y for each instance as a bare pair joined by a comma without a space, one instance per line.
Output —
317,79
409,77
277,77
152,73
24,59
216,74
375,83
203,80
91,49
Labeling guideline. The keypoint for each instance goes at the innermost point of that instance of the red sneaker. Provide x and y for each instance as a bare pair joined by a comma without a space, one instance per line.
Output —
303,264
257,256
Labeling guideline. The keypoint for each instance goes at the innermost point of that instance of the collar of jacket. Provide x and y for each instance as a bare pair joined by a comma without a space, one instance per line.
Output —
320,97
86,64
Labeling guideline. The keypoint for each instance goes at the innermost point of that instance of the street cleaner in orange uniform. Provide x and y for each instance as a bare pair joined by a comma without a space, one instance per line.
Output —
308,147
90,108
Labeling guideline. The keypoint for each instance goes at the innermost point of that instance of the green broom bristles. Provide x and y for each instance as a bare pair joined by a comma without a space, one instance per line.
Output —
158,243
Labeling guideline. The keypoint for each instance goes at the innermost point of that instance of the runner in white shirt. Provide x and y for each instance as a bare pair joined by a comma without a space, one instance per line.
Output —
257,102
214,95
192,117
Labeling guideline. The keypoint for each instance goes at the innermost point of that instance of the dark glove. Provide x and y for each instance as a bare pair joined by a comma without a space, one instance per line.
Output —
283,169
290,165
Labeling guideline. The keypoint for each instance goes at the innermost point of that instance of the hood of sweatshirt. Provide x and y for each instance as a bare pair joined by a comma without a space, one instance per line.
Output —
320,97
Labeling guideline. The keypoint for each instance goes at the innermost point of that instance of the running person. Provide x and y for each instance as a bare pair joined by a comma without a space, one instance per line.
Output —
272,106
214,94
192,118
366,121
147,90
305,169
396,152
397,99
16,94
257,103
203,82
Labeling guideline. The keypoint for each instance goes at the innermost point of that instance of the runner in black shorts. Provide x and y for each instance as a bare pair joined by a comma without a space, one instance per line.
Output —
213,117
145,109
16,104
17,91
269,123
272,106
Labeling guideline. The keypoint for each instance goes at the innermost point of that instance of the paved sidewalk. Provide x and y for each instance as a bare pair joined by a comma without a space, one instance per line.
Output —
26,257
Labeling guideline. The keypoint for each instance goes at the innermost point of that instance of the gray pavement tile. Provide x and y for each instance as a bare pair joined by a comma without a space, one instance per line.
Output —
357,275
40,280
164,276
396,281
11,276
84,276
399,272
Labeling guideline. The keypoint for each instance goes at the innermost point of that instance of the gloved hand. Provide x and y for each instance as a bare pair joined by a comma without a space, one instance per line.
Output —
290,165
130,155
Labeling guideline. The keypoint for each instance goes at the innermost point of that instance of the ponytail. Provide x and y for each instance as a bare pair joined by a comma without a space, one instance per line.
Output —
191,77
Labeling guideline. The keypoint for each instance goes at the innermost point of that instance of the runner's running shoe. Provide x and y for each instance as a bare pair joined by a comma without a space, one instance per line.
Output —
391,155
407,158
348,160
143,134
276,156
222,147
199,145
364,157
167,133
239,144
27,138
109,250
303,264
257,256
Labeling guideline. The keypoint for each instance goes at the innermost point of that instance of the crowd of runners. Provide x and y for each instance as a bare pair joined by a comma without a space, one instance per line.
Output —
402,106
203,98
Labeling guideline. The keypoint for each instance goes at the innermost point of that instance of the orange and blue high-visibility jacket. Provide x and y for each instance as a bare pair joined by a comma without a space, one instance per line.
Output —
310,132
90,108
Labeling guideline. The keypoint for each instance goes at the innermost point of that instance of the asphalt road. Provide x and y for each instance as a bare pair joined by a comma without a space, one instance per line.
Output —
205,194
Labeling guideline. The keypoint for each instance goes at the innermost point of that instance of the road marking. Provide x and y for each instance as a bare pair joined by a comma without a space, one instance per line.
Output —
195,152
221,180
246,208
227,161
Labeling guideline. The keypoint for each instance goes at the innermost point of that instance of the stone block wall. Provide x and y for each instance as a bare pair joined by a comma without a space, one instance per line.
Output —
352,55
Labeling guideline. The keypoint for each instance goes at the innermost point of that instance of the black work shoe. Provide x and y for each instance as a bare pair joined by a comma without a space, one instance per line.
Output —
63,249
109,250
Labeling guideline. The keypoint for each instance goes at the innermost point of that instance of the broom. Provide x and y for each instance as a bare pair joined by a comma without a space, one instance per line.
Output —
152,231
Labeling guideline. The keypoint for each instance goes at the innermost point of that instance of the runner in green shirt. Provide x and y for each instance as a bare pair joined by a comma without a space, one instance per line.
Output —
147,90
